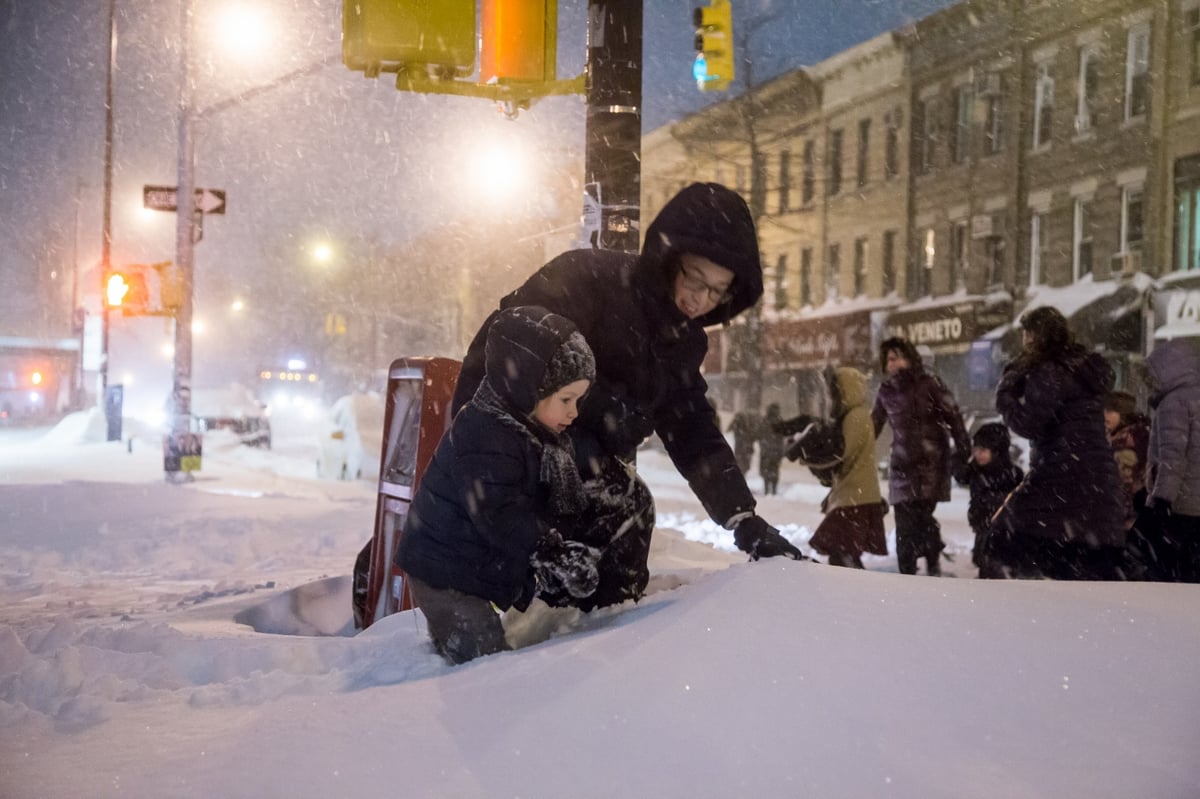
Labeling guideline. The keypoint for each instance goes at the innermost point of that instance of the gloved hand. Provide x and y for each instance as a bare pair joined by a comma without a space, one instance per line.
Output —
566,566
760,540
625,426
1160,506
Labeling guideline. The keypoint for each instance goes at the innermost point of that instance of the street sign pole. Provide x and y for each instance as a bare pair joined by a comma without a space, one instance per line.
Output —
106,238
181,390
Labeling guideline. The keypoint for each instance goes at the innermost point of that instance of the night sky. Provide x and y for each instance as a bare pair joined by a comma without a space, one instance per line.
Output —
333,156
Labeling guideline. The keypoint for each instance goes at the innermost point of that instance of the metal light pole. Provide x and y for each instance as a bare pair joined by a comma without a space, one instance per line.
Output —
181,392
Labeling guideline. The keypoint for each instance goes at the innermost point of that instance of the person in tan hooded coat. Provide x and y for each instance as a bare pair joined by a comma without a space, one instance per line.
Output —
854,508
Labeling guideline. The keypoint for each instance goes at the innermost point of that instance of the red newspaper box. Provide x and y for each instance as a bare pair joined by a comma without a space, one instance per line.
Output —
419,391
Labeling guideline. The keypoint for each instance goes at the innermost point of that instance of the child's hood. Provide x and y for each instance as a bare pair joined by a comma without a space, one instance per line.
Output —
521,341
852,385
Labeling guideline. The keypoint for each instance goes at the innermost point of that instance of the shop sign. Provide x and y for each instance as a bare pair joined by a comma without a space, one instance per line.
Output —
808,343
947,328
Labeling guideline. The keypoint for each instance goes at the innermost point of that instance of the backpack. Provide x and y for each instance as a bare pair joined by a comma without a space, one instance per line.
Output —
819,444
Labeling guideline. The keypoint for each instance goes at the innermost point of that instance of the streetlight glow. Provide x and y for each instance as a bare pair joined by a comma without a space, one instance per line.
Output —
237,305
322,253
241,31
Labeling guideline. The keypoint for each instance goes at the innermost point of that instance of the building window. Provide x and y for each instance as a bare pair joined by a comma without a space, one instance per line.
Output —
860,266
835,162
1137,72
1081,238
758,183
994,246
1043,106
891,152
993,94
864,148
1192,21
925,274
928,111
785,180
889,262
964,112
808,183
1131,218
806,276
781,283
740,179
1037,246
1089,66
833,271
960,247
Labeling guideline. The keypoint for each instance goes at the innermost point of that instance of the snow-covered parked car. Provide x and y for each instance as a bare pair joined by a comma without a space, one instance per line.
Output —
234,408
351,442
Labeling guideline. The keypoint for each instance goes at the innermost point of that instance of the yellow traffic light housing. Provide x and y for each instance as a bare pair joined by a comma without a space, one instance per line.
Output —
713,68
439,35
518,40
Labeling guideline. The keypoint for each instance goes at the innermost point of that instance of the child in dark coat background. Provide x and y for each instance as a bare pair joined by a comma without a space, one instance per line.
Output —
991,476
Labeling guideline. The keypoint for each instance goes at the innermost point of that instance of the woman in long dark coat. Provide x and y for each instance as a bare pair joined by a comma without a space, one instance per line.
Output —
1066,518
925,419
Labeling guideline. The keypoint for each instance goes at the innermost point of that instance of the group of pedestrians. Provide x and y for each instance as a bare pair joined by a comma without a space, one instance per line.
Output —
533,492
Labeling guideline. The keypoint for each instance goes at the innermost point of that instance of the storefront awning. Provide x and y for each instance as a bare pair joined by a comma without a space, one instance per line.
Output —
951,326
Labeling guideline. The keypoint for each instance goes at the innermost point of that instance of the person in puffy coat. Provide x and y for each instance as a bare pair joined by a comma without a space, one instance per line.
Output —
486,524
1065,519
928,438
854,508
1173,458
991,475
644,317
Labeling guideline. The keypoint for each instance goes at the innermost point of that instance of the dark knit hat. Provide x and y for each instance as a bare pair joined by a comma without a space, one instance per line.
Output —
1121,402
572,361
993,436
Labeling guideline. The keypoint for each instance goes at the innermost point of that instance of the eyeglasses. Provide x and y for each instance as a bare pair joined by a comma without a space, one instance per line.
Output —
696,286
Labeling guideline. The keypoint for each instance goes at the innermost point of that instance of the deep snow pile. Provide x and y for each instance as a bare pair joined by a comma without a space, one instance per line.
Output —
144,647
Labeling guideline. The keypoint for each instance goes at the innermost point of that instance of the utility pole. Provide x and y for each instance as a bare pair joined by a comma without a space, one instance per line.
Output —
613,132
106,233
181,390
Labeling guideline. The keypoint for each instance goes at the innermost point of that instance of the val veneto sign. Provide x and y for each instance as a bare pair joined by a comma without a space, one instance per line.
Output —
1179,310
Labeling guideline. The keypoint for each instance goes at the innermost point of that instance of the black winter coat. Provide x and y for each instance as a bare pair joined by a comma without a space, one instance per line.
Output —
925,420
1072,492
648,354
480,509
989,486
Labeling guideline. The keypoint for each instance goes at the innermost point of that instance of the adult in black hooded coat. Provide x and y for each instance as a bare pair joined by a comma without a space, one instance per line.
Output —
644,317
1066,518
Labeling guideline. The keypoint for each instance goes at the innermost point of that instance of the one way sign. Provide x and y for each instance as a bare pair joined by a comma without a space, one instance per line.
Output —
166,198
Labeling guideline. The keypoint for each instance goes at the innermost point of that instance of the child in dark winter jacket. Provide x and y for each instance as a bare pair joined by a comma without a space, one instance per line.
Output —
991,475
484,531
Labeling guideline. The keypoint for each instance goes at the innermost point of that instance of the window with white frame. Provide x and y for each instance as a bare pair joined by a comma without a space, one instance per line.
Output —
994,247
1081,238
1137,72
960,248
1191,19
926,273
835,163
785,180
1131,218
781,286
860,266
833,271
806,276
1037,244
994,122
1087,86
889,262
891,153
1043,105
964,111
930,132
864,150
808,180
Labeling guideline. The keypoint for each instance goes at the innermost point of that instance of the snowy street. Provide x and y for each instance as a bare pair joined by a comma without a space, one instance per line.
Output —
140,643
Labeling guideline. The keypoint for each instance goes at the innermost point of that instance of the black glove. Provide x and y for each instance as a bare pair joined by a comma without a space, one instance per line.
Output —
566,567
625,426
754,536
1160,507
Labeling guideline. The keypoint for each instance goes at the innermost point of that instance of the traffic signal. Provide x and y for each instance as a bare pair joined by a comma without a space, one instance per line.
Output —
436,33
518,40
713,68
126,289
